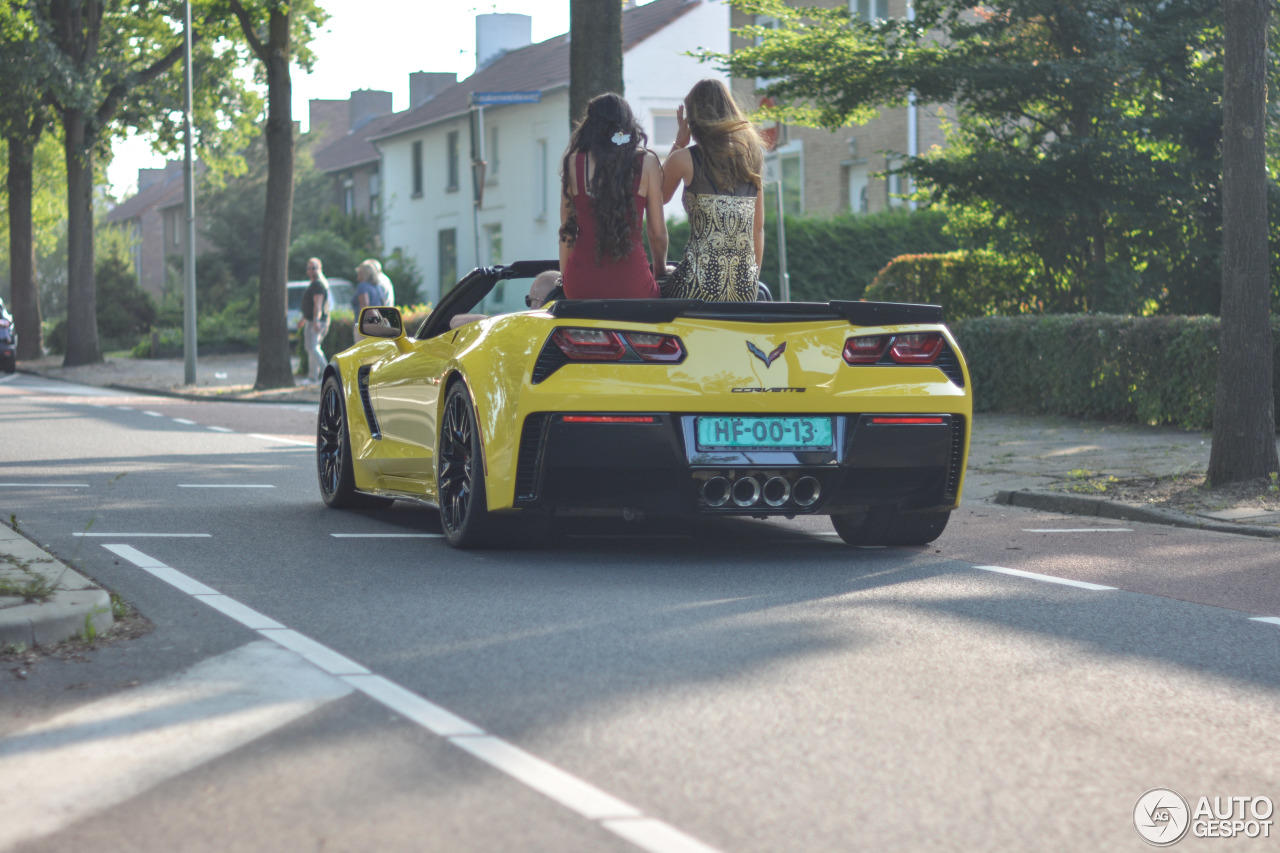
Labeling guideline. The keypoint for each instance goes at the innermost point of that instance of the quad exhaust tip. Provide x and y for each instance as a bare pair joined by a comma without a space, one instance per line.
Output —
746,491
806,491
776,491
750,490
715,491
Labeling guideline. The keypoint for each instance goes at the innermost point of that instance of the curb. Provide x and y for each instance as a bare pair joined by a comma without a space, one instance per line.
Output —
215,398
77,603
1103,508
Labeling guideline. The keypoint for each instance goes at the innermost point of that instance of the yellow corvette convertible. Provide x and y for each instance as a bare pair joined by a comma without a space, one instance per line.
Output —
856,410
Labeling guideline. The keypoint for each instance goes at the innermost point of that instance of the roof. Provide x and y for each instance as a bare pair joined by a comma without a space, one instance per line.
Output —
165,192
538,67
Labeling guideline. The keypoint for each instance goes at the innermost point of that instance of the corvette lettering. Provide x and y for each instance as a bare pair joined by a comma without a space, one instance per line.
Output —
768,390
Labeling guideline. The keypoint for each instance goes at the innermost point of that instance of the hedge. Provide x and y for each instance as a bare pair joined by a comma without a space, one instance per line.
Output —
1152,370
836,257
965,284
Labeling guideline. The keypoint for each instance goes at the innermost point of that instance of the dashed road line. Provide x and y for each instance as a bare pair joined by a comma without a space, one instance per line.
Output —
44,485
1077,530
146,535
282,440
615,815
387,535
225,486
1046,578
219,429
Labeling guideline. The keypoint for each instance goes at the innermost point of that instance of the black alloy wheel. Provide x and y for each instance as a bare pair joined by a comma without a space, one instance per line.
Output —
464,513
884,526
333,453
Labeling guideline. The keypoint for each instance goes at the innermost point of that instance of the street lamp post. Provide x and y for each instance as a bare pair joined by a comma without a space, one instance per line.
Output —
189,203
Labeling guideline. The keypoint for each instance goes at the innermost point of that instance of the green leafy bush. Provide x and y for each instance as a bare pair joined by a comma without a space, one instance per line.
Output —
965,284
836,257
1153,370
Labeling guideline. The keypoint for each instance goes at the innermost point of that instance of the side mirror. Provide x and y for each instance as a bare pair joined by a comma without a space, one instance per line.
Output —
381,323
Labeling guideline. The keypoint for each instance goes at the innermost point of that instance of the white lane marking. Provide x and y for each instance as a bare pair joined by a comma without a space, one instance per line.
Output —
154,414
410,705
318,653
171,576
224,486
106,752
125,408
45,485
220,429
184,421
1077,530
148,535
1271,620
1047,578
655,836
613,814
242,613
570,791
8,377
282,440
387,535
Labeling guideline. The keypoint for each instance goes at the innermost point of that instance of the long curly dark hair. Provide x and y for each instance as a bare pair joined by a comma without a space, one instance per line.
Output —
612,184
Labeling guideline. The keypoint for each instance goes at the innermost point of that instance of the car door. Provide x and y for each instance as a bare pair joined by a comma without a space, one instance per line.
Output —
405,391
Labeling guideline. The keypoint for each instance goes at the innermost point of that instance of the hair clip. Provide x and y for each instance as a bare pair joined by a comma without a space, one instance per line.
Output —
620,138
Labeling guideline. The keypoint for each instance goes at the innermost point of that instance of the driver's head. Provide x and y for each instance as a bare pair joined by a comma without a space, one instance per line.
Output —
541,287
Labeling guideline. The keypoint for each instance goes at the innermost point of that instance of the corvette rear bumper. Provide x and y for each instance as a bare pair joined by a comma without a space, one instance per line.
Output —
582,468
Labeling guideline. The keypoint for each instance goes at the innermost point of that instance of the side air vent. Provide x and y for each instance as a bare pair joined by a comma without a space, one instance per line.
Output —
362,380
957,455
527,462
549,361
950,365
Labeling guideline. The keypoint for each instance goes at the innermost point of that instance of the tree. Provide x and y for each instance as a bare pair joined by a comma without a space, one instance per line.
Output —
274,29
23,118
105,53
595,52
1087,134
1244,429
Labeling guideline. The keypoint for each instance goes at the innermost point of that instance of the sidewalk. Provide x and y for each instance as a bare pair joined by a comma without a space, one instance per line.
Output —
1046,463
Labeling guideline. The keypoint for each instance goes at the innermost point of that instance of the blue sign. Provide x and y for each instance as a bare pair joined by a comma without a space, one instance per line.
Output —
485,99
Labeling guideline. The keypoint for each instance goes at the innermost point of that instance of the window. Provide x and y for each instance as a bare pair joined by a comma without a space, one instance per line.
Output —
375,188
896,186
792,184
492,160
664,128
175,227
417,169
348,195
541,183
869,10
491,246
447,258
451,161
858,176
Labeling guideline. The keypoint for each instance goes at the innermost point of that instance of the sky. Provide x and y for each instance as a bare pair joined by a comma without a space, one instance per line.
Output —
375,44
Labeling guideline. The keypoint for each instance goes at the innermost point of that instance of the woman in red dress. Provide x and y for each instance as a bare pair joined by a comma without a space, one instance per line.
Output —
610,184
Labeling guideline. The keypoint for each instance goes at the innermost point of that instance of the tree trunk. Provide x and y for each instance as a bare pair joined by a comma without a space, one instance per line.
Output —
274,368
24,294
82,308
595,52
1244,429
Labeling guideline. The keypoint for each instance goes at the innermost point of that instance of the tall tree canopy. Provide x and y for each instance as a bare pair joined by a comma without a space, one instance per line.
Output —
1087,134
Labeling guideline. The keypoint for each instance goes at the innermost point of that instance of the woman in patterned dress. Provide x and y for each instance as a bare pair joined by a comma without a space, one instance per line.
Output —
723,196
610,183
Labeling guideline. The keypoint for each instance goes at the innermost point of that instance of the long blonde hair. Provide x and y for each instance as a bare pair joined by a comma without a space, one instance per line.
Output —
731,147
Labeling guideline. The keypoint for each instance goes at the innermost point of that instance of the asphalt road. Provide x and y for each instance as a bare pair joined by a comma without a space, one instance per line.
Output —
738,686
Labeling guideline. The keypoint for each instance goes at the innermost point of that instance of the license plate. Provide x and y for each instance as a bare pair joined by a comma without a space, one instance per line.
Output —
791,433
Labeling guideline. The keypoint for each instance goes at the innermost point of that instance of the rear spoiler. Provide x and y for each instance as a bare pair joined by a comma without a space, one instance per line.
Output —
667,310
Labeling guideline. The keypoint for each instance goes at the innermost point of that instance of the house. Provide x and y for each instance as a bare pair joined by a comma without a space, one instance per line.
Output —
342,150
156,221
824,172
429,206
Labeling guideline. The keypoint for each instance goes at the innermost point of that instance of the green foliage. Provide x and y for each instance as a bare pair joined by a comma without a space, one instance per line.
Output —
125,310
836,258
1088,133
965,284
1152,370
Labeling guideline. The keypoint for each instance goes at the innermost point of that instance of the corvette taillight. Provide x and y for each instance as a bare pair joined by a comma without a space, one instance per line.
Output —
865,350
590,344
663,348
919,348
915,348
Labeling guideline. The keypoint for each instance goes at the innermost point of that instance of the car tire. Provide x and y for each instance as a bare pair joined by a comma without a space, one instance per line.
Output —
464,513
880,526
333,453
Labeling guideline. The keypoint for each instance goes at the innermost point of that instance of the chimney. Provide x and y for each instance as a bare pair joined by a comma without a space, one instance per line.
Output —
428,84
148,177
496,34
367,104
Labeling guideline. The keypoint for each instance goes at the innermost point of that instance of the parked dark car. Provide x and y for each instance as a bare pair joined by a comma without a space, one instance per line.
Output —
8,341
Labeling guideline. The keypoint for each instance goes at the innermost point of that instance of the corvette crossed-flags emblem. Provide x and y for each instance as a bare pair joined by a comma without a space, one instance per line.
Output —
771,357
